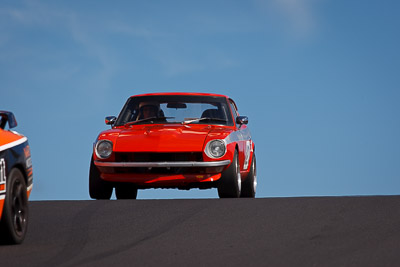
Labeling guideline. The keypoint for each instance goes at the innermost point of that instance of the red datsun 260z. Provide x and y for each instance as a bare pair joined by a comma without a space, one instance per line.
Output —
174,140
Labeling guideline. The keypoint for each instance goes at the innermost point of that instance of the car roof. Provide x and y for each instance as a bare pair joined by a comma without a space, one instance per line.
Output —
180,93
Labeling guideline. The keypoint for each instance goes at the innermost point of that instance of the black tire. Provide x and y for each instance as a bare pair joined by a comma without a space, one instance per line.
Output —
249,185
14,222
126,191
229,185
98,188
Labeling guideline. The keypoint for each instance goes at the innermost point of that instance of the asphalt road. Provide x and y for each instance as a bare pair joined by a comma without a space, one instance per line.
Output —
324,231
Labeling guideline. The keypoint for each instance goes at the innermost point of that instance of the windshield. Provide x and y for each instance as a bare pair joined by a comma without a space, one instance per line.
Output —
184,109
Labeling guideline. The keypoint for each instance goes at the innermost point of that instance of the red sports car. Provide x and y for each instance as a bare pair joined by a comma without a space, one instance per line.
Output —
174,140
15,181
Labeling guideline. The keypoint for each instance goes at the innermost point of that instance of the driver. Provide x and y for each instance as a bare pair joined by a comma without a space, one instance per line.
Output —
148,110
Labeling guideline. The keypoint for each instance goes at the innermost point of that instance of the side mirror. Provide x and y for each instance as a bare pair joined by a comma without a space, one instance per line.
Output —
242,120
110,120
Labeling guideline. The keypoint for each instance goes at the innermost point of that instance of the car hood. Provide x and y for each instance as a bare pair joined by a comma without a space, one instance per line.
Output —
161,138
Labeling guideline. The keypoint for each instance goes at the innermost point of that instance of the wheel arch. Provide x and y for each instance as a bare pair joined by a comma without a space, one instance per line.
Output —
20,167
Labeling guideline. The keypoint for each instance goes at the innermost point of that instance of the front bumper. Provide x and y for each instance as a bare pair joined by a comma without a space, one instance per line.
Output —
177,174
166,164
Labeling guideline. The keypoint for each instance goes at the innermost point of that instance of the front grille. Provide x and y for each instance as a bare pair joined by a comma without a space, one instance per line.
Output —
157,157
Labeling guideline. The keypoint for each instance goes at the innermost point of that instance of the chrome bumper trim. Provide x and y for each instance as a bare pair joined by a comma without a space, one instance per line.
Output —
165,164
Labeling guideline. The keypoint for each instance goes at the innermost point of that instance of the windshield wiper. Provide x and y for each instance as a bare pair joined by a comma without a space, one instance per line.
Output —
202,119
148,119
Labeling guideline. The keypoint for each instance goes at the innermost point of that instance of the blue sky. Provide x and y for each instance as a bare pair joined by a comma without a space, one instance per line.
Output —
319,81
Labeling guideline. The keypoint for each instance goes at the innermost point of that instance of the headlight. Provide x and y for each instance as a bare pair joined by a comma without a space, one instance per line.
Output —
104,149
215,148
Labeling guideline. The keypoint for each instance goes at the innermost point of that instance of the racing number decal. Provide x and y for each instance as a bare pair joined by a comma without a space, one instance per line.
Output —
242,135
2,176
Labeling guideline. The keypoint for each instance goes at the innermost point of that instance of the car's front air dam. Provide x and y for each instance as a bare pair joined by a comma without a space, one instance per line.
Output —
161,180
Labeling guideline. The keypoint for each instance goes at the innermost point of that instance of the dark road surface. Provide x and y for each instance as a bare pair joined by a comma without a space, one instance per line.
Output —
320,231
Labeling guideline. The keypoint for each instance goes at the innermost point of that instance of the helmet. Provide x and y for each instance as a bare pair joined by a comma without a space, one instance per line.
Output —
154,104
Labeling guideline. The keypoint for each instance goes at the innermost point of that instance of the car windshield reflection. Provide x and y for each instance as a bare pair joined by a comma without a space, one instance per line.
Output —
175,109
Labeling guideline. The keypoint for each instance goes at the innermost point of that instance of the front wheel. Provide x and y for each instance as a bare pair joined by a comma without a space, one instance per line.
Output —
98,188
14,223
230,183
